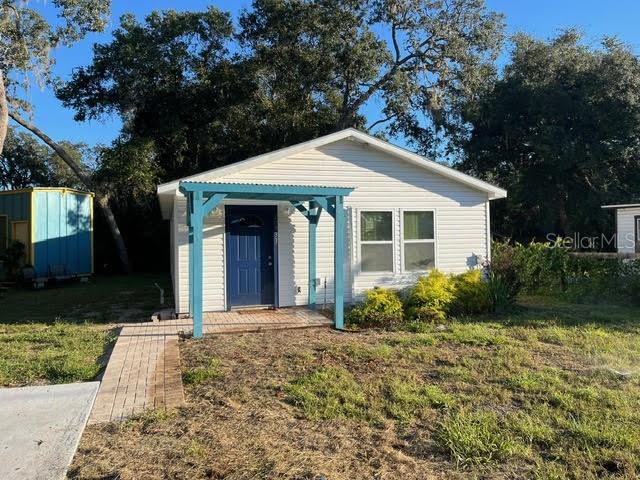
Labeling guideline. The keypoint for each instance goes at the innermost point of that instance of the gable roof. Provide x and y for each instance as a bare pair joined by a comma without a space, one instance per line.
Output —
170,189
622,206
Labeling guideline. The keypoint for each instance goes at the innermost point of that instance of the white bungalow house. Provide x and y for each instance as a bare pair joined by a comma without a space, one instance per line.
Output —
627,227
268,231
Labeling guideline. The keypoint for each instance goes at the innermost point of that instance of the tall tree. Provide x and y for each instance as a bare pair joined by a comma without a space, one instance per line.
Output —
26,40
415,59
560,130
23,162
200,95
26,162
302,68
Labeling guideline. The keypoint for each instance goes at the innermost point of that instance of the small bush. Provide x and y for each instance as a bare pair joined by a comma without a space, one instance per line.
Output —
471,294
504,280
381,307
431,298
502,295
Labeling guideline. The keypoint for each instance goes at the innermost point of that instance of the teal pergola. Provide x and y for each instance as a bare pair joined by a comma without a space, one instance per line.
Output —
310,200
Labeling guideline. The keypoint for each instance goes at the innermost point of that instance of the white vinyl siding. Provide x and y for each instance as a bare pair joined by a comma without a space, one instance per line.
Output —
382,182
626,229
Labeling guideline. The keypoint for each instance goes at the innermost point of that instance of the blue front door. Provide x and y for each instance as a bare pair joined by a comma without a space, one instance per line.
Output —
250,255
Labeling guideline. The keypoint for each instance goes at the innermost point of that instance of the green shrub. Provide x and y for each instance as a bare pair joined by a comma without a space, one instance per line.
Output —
431,298
471,294
596,279
501,293
504,279
381,307
551,269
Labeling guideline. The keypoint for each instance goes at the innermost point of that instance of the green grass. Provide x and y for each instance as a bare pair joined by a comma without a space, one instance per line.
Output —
329,393
62,334
478,437
555,385
200,374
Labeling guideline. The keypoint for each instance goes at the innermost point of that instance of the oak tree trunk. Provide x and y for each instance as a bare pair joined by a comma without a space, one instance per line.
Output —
102,199
4,112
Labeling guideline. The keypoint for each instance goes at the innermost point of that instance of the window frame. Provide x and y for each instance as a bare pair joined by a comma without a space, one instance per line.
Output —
392,242
6,231
27,247
435,241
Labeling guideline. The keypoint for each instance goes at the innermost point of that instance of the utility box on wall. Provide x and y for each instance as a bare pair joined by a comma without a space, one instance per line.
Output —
56,227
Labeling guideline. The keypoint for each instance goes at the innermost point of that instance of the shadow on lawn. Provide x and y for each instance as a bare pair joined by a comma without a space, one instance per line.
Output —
541,312
103,359
103,299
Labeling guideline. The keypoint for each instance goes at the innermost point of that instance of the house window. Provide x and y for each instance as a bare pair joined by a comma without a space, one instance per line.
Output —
419,241
376,241
4,231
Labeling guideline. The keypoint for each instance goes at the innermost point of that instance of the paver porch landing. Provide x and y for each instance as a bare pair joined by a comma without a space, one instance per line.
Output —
143,371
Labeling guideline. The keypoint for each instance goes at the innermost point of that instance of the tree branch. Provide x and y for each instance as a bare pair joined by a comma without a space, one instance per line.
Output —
349,110
394,38
102,198
82,175
381,121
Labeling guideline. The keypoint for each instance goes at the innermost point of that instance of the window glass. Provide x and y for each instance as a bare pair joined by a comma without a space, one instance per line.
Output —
377,257
376,236
249,221
418,225
376,226
419,256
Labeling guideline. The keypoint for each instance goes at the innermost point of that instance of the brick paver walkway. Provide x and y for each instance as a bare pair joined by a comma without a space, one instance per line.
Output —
144,368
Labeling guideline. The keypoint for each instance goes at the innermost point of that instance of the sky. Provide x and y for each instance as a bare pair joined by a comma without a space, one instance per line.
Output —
540,18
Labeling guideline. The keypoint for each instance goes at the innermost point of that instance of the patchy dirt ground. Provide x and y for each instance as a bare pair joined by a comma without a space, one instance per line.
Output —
540,396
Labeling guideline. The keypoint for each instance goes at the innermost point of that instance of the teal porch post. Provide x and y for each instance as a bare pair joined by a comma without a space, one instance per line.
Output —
190,237
313,217
198,209
338,263
197,224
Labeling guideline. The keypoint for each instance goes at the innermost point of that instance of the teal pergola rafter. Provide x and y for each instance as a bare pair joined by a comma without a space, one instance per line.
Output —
310,200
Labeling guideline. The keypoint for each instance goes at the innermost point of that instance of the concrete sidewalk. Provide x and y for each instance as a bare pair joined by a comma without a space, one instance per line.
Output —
40,428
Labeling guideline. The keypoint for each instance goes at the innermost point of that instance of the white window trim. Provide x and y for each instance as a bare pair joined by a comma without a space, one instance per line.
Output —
377,242
434,240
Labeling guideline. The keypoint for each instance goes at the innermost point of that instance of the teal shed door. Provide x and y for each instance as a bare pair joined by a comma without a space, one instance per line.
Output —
63,229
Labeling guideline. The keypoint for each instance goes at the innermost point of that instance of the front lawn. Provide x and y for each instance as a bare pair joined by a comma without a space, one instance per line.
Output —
550,392
63,334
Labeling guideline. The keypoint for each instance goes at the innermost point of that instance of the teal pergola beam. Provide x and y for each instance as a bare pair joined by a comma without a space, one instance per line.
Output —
204,197
257,190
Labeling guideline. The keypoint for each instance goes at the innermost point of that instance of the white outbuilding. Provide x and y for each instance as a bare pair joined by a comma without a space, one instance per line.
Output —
627,227
269,231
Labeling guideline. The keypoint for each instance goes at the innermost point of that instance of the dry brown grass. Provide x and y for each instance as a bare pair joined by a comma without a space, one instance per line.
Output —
531,396
239,426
